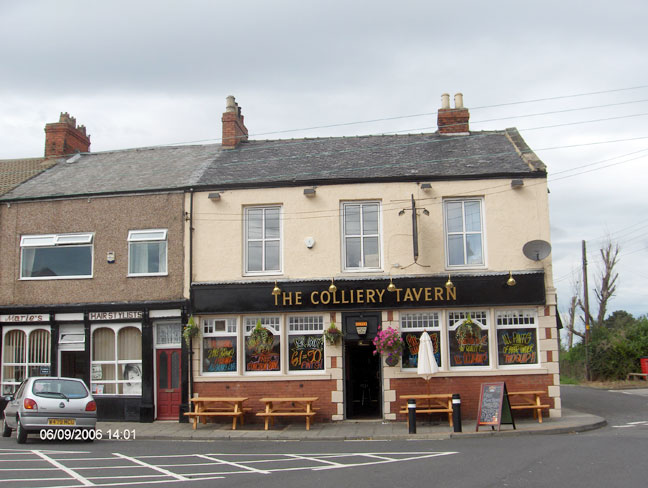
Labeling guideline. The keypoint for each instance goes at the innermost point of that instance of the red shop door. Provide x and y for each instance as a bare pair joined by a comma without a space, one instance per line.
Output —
168,384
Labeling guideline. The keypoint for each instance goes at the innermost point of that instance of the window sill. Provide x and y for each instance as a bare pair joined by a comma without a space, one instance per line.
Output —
146,275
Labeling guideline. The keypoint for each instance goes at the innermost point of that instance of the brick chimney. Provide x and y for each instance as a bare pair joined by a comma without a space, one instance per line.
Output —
64,137
453,120
234,130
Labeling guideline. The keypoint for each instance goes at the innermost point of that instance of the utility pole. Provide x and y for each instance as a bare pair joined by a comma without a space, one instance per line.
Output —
587,314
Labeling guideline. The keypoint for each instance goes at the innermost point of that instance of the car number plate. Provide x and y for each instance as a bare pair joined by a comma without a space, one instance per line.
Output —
61,422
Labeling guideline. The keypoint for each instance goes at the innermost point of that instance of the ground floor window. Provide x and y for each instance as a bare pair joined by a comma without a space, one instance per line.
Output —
262,349
219,345
116,359
412,326
468,338
517,338
306,343
25,353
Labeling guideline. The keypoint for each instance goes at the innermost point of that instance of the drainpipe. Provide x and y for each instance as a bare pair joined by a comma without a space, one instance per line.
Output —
191,229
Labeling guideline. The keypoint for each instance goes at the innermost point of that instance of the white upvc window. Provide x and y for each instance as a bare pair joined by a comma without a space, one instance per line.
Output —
361,236
263,354
305,343
25,353
56,256
464,227
219,345
116,359
517,338
469,339
412,325
147,252
263,254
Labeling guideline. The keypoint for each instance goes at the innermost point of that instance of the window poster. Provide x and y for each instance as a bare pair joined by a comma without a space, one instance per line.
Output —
97,373
306,352
262,353
517,346
410,351
219,354
468,345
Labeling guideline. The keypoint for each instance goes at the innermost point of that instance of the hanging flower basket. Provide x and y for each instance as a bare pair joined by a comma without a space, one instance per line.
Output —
333,335
392,359
190,330
261,339
389,342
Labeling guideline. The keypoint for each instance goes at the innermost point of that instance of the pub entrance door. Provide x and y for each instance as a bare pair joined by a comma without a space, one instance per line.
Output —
169,393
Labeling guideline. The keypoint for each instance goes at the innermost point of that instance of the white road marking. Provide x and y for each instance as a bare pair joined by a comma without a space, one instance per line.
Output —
314,459
237,465
153,467
65,469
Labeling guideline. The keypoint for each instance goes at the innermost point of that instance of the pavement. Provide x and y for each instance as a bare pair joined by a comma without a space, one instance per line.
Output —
295,430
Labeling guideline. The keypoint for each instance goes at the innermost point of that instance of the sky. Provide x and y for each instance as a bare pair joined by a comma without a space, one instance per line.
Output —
571,76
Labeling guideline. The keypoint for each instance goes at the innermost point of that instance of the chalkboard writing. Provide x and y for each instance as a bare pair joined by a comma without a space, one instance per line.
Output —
306,352
468,346
219,354
494,406
410,351
517,346
263,356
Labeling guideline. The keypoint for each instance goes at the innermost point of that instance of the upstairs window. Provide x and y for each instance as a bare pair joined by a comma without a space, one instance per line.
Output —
147,252
56,256
361,229
262,239
464,232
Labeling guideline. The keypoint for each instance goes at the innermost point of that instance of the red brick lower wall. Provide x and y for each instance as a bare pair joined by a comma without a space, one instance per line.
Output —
259,389
469,388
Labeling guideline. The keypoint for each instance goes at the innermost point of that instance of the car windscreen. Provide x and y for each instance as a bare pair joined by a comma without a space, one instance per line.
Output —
59,389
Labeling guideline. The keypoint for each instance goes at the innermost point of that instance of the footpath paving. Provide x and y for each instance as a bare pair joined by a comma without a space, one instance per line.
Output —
570,422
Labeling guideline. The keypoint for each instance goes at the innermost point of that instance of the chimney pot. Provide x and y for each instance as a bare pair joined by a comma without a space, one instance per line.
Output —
234,130
445,100
230,104
64,137
453,120
458,99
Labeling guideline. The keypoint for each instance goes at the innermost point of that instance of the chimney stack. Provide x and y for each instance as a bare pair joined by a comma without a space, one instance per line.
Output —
234,130
64,137
453,120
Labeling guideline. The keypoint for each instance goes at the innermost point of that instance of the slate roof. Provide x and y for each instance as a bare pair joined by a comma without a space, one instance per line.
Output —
417,157
15,171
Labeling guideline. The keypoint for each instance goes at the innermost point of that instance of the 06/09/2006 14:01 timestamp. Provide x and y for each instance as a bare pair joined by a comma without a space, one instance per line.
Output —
87,434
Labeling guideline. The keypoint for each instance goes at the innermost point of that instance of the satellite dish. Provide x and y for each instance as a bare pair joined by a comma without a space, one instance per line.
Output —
536,250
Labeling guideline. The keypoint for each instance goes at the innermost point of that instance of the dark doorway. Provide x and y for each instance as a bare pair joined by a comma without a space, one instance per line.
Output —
362,381
73,364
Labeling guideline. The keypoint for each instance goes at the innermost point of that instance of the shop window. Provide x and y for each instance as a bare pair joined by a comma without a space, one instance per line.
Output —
25,353
116,360
219,346
361,235
147,252
263,351
464,232
262,239
412,326
468,339
517,337
56,256
306,343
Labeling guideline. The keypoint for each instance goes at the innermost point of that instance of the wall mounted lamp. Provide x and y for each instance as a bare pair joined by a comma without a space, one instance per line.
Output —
276,290
214,196
426,186
391,286
449,284
517,184
309,192
511,281
332,287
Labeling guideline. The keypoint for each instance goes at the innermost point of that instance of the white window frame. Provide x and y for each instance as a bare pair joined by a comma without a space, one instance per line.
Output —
231,330
26,364
263,240
464,233
161,324
275,324
143,236
422,321
54,241
116,362
305,324
482,317
361,236
509,319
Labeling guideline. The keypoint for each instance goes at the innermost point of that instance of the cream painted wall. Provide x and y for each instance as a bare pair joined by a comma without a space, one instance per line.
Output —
512,218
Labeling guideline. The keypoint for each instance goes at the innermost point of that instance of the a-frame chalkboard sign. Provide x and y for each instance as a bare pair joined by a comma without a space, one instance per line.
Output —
494,406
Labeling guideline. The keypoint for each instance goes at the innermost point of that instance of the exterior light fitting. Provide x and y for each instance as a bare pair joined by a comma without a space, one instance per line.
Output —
449,284
391,286
214,196
426,186
511,281
332,287
276,290
517,184
309,192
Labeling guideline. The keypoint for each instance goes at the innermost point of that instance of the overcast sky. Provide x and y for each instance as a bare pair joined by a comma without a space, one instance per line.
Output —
142,73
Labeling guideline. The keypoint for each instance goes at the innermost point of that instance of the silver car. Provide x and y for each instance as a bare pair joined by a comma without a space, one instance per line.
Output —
53,408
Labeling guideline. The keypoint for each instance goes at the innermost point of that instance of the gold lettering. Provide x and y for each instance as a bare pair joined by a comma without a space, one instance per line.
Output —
298,298
325,297
408,295
417,296
452,293
438,293
370,296
398,290
335,300
360,295
276,297
380,295
287,298
428,294
314,299
345,299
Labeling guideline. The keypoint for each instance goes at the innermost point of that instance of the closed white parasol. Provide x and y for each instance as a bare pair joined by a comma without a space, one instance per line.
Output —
427,365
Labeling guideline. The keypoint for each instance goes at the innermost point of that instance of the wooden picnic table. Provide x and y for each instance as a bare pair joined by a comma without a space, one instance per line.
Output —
528,400
287,407
217,407
430,403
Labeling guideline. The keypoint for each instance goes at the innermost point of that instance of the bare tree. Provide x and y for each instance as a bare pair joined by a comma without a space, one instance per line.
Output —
606,286
574,304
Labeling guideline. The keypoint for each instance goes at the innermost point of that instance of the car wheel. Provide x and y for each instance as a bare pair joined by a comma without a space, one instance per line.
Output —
21,434
6,430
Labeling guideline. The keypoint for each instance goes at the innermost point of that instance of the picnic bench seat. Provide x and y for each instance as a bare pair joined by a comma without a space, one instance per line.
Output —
528,400
432,403
638,375
218,407
288,407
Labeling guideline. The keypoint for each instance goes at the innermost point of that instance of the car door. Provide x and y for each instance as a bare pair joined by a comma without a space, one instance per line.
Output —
13,405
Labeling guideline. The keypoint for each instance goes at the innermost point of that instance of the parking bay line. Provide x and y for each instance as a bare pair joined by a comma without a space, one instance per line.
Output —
65,469
154,468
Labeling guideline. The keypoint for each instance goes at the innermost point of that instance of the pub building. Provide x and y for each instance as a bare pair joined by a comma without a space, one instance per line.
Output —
422,232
